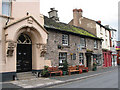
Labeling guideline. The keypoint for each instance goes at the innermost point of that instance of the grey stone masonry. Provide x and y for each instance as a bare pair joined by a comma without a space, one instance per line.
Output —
55,40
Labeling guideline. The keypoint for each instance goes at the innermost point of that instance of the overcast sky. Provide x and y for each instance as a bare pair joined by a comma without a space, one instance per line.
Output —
104,10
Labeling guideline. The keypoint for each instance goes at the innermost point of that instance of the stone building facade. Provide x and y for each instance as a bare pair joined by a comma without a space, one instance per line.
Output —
75,52
81,21
24,37
95,27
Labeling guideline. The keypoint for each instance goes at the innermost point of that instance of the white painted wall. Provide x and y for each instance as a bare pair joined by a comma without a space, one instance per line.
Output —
118,35
104,34
114,63
19,10
114,38
21,7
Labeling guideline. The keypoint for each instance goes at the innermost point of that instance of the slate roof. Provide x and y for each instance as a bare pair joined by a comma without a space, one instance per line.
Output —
103,26
49,23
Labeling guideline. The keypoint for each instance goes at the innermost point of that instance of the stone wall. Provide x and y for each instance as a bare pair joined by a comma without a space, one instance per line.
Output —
55,39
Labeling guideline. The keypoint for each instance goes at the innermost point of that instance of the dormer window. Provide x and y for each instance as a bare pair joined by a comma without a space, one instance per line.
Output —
6,7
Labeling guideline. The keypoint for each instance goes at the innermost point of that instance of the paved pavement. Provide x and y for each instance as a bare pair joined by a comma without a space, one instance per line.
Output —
45,82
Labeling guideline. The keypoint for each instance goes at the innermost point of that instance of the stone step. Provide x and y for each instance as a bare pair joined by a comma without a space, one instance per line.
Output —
25,78
25,75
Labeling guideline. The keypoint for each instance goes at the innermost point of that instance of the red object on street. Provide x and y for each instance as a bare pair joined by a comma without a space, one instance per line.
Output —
118,57
107,59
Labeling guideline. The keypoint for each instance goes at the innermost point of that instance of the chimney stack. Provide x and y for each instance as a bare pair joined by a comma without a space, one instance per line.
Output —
77,14
80,11
53,14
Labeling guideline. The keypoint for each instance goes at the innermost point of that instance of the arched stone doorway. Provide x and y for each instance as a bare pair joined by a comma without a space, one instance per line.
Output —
24,53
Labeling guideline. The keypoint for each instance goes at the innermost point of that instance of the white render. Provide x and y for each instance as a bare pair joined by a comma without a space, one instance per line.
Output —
114,44
19,22
103,34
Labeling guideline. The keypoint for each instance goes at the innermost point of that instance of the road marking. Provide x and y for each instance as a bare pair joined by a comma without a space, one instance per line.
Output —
28,86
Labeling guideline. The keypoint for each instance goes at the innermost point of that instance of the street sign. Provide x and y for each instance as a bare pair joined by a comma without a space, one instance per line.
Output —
79,48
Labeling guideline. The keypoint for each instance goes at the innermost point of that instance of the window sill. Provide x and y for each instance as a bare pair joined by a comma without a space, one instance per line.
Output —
95,48
83,47
65,46
6,16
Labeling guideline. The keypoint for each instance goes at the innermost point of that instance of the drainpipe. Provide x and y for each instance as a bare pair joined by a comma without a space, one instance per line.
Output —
7,21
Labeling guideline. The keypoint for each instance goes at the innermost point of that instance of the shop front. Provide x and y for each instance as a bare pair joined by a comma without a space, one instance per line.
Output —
107,59
89,60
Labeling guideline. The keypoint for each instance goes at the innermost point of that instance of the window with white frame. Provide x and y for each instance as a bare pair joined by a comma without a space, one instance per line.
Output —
65,39
106,42
112,33
81,58
95,44
100,44
62,58
6,7
100,30
113,43
105,32
83,42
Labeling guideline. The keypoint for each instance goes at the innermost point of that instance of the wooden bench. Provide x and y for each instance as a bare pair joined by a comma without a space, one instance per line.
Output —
83,68
74,69
54,70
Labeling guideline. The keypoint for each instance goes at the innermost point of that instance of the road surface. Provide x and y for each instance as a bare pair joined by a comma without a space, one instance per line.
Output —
107,80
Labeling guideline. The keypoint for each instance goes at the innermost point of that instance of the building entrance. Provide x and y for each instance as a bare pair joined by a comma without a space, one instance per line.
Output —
88,60
24,53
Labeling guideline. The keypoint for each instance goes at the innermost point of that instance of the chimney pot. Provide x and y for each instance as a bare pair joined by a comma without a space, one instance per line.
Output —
52,9
53,14
74,10
80,10
99,21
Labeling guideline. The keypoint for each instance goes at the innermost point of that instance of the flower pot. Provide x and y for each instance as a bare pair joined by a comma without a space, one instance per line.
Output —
95,68
44,73
64,72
